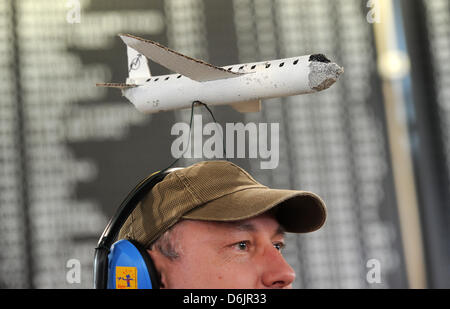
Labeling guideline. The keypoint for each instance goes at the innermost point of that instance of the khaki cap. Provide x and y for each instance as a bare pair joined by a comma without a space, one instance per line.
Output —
218,191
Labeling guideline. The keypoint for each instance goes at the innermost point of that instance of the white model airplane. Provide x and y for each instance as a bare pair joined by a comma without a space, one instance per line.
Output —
242,85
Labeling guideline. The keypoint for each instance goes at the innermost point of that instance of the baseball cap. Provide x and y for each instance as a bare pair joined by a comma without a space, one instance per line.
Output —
219,191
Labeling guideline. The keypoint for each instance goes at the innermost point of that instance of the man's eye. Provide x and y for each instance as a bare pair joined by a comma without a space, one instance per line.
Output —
242,245
279,246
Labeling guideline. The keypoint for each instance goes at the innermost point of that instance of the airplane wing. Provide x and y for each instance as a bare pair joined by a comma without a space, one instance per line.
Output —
193,68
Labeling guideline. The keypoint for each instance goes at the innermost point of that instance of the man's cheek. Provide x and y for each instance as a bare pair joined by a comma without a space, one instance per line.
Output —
230,256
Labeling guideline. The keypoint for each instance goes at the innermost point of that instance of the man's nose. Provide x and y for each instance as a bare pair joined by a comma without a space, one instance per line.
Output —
277,273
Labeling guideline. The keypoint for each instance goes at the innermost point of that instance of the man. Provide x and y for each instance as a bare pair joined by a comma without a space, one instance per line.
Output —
211,225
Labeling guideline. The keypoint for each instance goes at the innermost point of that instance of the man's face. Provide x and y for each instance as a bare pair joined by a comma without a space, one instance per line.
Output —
217,255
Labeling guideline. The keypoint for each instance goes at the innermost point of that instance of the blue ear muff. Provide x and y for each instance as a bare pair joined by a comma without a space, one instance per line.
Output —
126,264
130,267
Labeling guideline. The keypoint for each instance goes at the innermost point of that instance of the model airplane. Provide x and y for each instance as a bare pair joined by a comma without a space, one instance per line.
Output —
242,85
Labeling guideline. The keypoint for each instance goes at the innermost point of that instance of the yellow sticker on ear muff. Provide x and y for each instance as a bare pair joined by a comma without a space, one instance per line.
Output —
126,277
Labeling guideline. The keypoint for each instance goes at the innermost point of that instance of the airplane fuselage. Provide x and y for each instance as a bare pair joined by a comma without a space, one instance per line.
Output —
264,80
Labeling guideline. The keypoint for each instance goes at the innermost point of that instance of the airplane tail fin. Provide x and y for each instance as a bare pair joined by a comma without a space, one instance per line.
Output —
138,70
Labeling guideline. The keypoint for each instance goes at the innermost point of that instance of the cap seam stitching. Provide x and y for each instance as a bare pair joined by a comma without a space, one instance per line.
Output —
259,187
183,180
264,209
240,169
131,234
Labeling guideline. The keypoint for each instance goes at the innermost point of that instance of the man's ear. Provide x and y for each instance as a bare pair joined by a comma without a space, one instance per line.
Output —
160,262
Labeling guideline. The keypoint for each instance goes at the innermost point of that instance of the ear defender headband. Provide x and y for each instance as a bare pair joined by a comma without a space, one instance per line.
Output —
125,264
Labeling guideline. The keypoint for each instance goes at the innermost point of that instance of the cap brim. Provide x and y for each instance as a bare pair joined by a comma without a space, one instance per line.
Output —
296,211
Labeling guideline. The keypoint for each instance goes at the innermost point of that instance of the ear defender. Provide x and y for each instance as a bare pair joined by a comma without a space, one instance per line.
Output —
130,267
125,264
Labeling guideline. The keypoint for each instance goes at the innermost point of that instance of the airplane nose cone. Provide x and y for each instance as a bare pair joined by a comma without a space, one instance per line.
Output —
323,75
